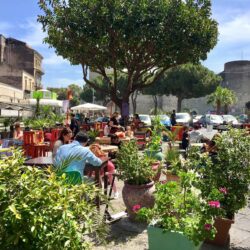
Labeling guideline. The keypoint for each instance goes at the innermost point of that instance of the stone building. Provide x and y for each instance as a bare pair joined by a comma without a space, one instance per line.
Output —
20,65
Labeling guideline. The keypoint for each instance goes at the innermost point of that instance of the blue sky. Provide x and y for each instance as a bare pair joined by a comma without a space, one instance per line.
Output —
18,20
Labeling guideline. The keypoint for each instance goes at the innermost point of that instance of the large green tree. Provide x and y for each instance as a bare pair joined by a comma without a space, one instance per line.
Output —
188,81
222,97
141,38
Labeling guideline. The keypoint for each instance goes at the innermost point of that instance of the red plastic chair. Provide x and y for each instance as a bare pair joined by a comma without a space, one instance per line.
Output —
28,142
179,130
40,150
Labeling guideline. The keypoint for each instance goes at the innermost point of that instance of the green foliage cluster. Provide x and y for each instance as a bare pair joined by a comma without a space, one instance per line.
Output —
228,171
47,119
178,208
39,210
132,168
185,82
222,97
155,140
145,38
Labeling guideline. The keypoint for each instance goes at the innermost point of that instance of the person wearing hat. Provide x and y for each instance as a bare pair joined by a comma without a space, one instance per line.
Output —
78,150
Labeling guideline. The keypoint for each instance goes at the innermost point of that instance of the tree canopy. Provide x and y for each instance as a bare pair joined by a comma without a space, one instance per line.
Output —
222,97
140,38
185,82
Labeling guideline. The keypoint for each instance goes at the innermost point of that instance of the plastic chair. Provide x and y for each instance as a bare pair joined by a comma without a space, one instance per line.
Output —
179,130
55,133
39,150
28,137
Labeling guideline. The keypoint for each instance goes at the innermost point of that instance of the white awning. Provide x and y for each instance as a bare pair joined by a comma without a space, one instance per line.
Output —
88,107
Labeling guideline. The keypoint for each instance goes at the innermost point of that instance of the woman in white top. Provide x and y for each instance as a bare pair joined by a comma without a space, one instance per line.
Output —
64,138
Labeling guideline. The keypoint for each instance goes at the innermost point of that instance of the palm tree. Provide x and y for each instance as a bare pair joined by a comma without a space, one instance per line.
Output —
222,97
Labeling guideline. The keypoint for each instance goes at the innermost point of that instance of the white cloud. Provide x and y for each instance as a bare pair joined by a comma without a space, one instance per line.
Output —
63,82
236,30
54,59
33,33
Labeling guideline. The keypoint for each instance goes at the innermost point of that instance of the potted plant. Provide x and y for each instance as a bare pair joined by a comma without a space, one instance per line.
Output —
92,135
153,149
137,173
174,164
225,176
179,219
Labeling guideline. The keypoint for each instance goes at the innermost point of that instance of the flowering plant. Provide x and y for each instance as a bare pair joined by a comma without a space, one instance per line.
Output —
225,176
179,209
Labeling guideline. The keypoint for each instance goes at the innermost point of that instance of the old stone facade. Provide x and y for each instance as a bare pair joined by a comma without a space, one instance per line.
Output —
20,65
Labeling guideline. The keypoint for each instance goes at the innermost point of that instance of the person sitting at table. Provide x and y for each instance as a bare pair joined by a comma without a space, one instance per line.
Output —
64,138
114,125
136,121
81,153
129,132
18,135
96,149
106,129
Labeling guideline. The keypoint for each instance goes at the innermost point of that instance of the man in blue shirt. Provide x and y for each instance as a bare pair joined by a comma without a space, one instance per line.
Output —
78,152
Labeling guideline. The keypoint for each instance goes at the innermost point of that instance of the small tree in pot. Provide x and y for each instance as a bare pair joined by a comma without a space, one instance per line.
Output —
137,173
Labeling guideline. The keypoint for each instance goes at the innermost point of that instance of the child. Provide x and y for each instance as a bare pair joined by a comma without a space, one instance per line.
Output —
96,149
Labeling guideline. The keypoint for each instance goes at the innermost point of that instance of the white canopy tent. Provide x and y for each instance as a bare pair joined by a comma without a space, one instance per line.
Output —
88,107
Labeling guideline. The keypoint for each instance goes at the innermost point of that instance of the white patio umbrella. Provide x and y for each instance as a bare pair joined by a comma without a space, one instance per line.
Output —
88,107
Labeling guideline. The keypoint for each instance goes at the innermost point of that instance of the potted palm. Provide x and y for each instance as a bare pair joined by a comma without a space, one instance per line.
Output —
174,164
179,219
225,176
137,173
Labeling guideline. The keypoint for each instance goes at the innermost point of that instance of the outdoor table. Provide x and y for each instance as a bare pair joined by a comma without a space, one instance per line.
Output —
47,161
196,144
109,148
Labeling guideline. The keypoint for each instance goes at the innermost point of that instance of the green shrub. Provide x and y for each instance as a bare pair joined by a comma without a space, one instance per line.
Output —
38,210
132,168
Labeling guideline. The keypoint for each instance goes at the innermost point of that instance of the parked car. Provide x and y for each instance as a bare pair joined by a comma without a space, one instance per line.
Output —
102,119
243,118
165,120
209,119
230,119
146,119
183,118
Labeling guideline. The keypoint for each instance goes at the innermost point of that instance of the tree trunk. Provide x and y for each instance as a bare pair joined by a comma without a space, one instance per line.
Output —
179,101
218,107
134,98
155,104
226,109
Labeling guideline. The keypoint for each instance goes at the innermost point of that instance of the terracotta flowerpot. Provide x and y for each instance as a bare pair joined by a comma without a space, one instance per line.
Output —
222,226
138,195
157,169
